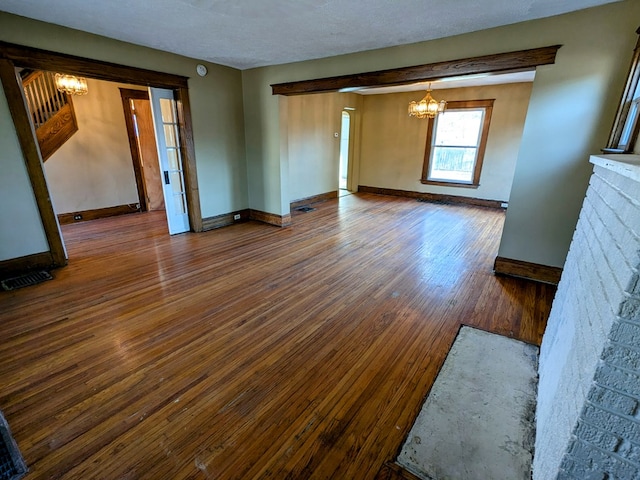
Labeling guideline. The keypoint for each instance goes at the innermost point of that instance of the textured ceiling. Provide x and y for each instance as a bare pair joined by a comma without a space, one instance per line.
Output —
253,33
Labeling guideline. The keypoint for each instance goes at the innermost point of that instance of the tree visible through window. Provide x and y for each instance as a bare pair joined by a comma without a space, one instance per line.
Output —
456,141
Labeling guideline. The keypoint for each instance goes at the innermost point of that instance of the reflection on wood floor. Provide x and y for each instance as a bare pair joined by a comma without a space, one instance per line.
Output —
250,351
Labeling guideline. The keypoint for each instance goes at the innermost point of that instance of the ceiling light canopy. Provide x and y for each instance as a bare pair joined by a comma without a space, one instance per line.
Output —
428,107
71,84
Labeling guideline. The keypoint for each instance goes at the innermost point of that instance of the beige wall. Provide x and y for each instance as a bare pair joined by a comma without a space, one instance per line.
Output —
571,110
217,114
393,144
94,169
313,149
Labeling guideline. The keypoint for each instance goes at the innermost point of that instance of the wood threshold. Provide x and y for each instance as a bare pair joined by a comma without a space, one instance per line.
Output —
528,270
96,213
433,197
502,62
323,197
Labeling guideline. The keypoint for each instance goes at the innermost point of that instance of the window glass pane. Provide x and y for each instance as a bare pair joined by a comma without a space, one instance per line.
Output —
180,204
452,163
629,125
174,161
166,108
176,182
170,135
459,128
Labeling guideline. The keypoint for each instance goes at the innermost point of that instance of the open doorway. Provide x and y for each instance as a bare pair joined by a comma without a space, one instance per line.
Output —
144,151
345,139
18,56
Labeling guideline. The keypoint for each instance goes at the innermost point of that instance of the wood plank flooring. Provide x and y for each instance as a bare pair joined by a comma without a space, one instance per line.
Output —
250,351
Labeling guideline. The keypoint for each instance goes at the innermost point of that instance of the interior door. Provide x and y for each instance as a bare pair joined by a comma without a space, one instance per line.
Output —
165,122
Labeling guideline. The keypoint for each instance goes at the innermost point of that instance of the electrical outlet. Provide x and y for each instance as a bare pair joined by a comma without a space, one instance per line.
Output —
236,216
77,217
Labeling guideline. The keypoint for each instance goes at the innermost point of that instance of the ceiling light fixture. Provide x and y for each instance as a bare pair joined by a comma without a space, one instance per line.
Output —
71,84
427,107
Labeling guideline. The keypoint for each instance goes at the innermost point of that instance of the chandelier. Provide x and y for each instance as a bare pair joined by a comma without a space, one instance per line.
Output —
427,107
71,84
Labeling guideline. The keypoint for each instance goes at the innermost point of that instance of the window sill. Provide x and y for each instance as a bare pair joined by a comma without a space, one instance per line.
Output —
449,184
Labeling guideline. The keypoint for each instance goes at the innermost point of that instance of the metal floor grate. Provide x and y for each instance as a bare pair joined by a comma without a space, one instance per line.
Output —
12,466
26,280
305,209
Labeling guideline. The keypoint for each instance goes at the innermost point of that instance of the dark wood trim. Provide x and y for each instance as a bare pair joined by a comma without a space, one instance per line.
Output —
432,197
10,268
187,146
86,215
323,197
224,220
47,60
127,94
12,85
501,62
482,146
270,218
393,471
530,271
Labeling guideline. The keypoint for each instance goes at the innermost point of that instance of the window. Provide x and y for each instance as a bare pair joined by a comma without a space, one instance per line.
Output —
625,128
456,140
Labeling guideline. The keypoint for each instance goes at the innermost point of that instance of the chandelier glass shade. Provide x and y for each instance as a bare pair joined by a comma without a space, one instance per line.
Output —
71,84
428,107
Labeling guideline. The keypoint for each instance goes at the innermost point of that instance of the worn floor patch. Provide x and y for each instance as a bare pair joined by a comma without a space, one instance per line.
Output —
477,421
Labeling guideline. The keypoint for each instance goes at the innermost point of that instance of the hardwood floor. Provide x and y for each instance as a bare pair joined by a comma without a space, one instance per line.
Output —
250,351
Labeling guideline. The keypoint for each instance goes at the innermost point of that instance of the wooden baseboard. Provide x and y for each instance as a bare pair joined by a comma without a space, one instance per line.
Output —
14,266
393,471
530,271
86,215
270,218
323,197
224,220
432,197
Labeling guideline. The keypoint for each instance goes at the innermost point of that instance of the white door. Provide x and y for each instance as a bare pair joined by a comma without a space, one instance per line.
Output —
165,123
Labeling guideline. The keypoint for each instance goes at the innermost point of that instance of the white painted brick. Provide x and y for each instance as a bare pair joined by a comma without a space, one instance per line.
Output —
596,436
582,329
612,400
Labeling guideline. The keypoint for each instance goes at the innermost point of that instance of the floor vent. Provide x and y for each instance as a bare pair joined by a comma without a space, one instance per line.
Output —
26,280
12,466
305,209
428,200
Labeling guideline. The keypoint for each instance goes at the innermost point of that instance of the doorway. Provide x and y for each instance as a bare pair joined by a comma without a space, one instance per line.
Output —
345,139
144,152
19,56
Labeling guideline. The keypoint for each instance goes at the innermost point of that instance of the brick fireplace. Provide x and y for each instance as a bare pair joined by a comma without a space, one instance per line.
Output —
587,419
